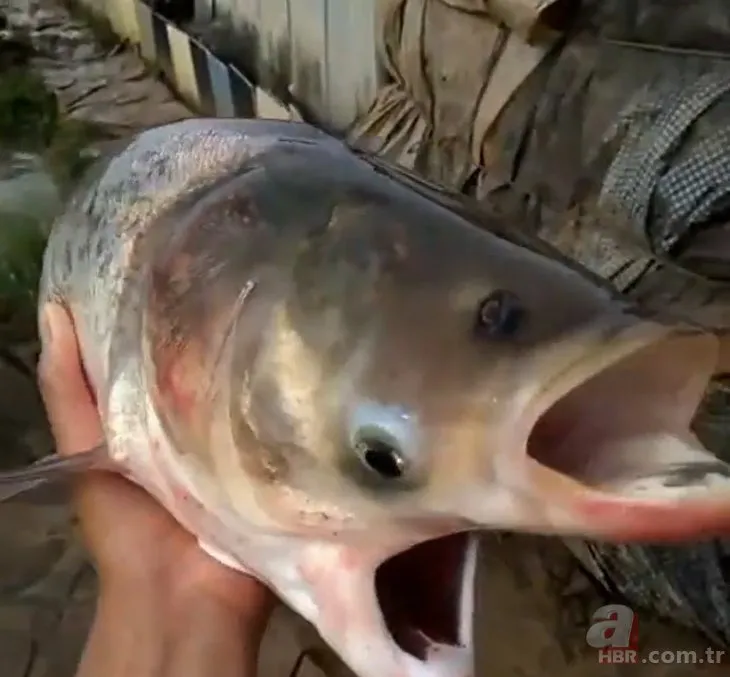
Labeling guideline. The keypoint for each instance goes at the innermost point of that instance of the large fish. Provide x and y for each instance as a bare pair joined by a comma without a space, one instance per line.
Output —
325,368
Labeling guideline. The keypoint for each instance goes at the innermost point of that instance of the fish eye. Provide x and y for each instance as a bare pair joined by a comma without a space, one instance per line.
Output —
380,455
499,315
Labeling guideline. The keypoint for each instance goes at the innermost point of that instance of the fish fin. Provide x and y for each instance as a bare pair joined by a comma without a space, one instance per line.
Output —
51,470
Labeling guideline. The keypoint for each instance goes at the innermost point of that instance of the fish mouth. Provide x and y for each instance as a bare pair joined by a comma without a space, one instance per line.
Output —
426,598
616,431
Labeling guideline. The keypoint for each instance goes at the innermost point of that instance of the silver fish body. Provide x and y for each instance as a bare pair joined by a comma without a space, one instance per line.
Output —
317,362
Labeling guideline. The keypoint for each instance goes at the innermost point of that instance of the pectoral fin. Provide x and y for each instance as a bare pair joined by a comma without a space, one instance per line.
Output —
50,471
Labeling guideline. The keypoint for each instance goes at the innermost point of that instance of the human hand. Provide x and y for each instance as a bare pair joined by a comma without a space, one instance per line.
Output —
137,546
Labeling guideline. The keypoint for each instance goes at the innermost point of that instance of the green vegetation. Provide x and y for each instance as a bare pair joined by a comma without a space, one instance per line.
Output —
22,240
42,154
68,155
28,111
30,121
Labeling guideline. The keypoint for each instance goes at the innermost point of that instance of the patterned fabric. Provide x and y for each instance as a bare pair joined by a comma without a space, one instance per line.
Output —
662,198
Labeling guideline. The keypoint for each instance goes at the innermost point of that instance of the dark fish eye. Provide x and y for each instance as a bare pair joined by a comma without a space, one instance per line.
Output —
499,315
380,457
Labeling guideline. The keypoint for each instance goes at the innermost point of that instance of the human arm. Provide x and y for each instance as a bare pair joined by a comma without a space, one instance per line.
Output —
165,608
144,633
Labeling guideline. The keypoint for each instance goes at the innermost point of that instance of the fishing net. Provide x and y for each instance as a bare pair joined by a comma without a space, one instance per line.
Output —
604,128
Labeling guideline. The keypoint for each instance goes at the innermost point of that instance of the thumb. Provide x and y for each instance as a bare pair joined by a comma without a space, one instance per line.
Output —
70,407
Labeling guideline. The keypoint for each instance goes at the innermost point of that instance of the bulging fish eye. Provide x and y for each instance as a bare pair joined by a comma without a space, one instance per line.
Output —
499,315
381,456
383,441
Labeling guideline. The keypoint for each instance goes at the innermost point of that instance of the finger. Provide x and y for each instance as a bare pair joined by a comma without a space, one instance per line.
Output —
70,407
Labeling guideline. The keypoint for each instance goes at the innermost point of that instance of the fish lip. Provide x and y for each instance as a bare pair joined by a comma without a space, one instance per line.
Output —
566,492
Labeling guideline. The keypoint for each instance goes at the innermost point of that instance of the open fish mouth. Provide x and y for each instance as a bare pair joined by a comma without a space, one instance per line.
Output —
616,435
426,598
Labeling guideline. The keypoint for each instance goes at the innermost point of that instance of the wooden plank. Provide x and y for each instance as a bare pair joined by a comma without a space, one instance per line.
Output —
128,18
146,33
308,19
242,19
351,59
204,10
274,51
183,67
269,108
239,12
246,12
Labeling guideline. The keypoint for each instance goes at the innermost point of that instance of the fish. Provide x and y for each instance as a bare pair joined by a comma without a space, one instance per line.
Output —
335,374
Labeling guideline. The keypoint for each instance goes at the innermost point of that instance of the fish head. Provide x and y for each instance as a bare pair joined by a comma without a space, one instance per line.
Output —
409,372
433,363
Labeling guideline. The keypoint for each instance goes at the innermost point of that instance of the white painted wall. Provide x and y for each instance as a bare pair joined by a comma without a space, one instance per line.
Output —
327,48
